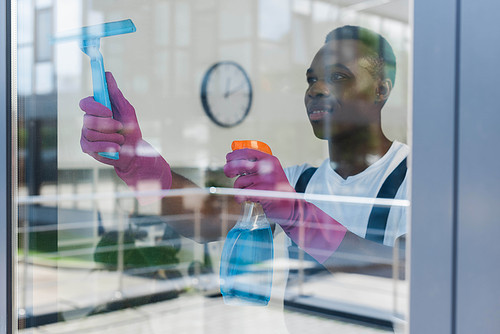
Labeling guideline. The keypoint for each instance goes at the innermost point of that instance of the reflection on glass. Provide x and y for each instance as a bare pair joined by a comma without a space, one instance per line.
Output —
274,19
144,234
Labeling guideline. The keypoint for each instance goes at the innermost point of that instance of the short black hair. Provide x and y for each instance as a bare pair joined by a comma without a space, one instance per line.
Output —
384,62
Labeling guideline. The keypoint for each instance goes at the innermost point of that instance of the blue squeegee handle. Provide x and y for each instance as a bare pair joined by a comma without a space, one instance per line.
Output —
100,87
99,82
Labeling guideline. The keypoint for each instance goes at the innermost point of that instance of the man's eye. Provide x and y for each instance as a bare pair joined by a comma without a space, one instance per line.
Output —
338,76
311,80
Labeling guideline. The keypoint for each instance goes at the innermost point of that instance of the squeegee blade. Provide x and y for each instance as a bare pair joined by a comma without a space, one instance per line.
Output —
97,31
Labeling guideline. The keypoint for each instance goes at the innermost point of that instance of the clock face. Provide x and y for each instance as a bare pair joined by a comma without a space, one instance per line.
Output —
226,93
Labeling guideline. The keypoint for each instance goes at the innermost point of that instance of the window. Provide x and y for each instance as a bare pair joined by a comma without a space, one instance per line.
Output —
97,247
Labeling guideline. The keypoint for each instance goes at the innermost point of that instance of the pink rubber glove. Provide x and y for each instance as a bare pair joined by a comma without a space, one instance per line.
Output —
312,229
140,165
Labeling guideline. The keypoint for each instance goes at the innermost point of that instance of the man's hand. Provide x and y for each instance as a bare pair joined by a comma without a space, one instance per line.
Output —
102,133
312,229
259,171
139,165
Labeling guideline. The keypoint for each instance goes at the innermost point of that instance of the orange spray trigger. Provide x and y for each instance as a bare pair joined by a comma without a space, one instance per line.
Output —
253,144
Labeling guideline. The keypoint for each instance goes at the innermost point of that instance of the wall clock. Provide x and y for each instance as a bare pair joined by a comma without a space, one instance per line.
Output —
226,93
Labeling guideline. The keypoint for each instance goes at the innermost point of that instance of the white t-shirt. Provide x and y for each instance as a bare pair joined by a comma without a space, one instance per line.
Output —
354,216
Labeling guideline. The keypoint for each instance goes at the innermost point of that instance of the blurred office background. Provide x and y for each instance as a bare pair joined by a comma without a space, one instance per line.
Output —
70,205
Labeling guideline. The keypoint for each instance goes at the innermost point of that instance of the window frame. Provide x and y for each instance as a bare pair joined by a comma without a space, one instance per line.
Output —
7,279
434,259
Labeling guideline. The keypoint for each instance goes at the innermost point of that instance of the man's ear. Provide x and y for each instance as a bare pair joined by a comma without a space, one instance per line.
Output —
384,89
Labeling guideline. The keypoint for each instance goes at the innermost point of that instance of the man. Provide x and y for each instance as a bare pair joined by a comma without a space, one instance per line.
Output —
349,81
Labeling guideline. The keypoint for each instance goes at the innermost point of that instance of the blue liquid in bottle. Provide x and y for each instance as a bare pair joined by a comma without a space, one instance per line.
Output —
246,270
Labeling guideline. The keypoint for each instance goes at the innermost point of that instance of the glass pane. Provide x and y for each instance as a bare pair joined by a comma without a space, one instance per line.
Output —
135,219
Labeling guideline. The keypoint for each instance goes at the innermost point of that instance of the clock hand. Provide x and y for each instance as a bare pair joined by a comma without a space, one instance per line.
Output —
234,90
226,94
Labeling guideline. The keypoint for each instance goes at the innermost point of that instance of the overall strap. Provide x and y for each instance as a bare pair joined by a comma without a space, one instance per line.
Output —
304,178
377,222
293,250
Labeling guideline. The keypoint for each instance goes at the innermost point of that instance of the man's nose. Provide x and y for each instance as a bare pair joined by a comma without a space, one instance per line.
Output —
319,88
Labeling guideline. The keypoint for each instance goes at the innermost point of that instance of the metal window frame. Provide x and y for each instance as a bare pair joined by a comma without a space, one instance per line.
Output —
455,176
448,130
433,185
7,308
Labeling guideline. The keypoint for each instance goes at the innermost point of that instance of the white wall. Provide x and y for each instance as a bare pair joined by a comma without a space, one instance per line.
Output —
160,67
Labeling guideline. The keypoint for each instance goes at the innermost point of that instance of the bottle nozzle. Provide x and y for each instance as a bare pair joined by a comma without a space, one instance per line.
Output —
253,144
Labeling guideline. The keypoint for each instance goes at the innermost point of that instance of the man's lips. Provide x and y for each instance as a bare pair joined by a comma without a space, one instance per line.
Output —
319,113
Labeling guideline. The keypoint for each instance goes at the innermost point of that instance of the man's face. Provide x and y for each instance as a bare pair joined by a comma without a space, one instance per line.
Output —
342,93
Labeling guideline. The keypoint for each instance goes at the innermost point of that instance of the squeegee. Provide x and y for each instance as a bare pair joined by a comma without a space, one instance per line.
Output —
90,40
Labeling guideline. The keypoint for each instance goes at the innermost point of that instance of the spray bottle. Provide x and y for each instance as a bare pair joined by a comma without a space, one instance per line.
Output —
246,269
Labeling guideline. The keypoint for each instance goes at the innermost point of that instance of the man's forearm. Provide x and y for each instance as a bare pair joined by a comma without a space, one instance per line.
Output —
355,251
201,217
